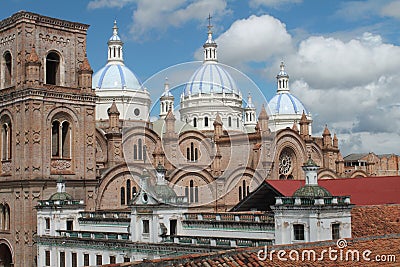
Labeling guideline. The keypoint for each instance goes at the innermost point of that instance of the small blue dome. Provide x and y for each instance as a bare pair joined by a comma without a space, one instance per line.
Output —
167,94
114,38
211,77
286,103
115,76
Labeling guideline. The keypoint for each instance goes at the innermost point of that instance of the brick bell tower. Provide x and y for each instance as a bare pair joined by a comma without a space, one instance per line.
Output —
47,119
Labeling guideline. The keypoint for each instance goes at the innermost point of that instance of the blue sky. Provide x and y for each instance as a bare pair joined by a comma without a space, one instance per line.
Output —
343,57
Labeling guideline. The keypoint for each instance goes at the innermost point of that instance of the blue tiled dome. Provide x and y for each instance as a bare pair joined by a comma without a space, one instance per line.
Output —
115,76
211,77
114,38
286,103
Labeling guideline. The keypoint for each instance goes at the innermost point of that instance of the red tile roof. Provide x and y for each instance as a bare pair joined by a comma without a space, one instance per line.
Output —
382,246
362,191
375,220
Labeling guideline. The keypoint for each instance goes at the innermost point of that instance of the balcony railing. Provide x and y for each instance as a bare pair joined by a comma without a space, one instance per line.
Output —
311,201
230,221
261,217
216,241
98,216
94,235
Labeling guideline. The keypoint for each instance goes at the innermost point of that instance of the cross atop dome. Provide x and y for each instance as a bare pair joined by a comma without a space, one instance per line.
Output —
209,22
115,46
210,46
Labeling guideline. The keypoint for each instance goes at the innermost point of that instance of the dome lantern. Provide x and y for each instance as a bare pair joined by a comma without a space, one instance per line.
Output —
282,80
115,46
210,46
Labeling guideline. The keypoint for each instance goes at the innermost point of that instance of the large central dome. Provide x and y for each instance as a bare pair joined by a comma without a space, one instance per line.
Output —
211,77
286,109
286,103
117,83
115,76
211,92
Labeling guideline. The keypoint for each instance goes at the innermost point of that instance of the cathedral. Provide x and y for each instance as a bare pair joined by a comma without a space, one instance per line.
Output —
60,120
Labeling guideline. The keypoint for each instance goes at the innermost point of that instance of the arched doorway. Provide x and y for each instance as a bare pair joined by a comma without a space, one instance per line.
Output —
5,256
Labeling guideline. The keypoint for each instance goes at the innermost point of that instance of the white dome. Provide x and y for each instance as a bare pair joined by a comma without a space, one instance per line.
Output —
286,103
115,76
211,77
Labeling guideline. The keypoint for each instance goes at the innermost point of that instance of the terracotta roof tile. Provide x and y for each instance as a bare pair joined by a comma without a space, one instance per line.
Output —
378,245
375,220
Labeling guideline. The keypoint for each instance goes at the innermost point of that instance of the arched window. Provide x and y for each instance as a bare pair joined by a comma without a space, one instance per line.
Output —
192,192
61,139
135,152
122,195
139,150
195,122
65,139
244,190
205,121
5,217
229,122
53,68
237,122
55,128
128,191
6,135
192,153
7,69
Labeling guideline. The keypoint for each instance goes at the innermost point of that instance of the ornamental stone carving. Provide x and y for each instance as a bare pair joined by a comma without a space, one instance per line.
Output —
61,165
6,167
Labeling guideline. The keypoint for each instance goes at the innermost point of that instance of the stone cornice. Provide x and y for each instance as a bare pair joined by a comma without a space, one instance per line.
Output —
42,182
39,19
122,245
48,92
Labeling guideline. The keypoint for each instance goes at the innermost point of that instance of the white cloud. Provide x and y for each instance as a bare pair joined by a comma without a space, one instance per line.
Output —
159,15
272,3
109,3
331,63
255,39
391,10
350,85
357,10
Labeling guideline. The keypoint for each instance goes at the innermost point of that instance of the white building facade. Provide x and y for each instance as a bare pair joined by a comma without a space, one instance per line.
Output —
312,213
